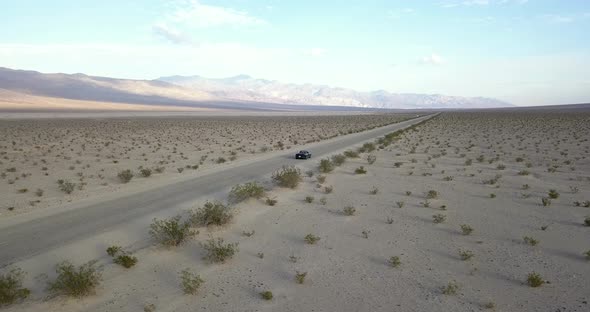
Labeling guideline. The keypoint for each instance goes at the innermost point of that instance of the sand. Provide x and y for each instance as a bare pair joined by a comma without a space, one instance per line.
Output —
464,157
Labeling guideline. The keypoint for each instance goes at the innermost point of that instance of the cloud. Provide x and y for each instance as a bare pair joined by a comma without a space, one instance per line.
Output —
452,4
432,59
399,13
192,16
557,19
315,52
172,35
200,15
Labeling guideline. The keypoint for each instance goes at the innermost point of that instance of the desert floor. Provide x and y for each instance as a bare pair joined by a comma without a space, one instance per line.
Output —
89,153
492,172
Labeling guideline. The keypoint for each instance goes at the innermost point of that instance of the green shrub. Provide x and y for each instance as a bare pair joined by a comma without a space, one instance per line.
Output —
190,282
271,201
394,261
451,288
125,176
321,179
309,199
244,191
368,147
11,287
349,210
466,254
338,160
326,166
145,172
432,194
212,213
351,154
328,189
311,239
466,229
534,280
300,277
288,176
530,241
587,221
125,260
266,295
524,172
75,281
171,232
371,159
113,250
360,170
439,218
66,186
217,251
553,194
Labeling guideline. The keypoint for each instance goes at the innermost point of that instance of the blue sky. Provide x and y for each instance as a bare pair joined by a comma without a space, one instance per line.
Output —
534,52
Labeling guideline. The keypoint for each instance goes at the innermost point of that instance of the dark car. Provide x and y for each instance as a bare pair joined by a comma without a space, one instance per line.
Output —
303,155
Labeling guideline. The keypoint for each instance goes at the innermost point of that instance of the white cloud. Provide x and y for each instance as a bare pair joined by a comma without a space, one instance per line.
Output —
170,34
315,52
200,15
432,59
558,19
399,13
192,16
452,4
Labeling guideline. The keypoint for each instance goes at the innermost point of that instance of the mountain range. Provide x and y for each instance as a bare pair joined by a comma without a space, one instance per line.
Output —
238,92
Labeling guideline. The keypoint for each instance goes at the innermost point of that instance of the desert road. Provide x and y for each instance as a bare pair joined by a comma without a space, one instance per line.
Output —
22,240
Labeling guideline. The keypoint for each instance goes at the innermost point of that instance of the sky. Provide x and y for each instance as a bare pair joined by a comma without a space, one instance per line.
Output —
526,52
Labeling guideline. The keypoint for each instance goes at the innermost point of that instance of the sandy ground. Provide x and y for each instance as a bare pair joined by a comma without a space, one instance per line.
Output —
465,157
36,153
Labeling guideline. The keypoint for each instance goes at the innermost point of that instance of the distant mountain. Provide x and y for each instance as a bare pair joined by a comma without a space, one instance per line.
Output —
246,88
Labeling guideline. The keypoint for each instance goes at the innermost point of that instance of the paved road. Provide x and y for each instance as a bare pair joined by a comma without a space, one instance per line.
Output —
32,237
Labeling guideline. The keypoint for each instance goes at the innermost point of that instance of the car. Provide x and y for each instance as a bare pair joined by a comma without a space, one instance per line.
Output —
303,155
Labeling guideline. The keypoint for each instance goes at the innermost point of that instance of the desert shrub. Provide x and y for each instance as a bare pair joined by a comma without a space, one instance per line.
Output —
39,192
466,254
309,173
220,160
466,229
338,159
400,204
125,176
587,221
300,277
451,288
75,281
145,172
553,194
311,239
266,295
360,170
321,179
534,280
66,186
125,260
389,220
217,251
248,233
374,191
323,201
398,164
351,154
546,201
212,213
408,193
288,176
371,159
394,261
11,287
349,210
530,241
113,250
326,166
190,282
524,172
439,218
587,254
432,194
271,201
328,189
171,232
367,147
244,191
309,199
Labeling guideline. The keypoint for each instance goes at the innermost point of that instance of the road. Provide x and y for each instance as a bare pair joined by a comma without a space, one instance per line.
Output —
29,238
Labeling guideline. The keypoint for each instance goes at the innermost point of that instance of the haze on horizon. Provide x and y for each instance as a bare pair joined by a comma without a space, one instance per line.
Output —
531,52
